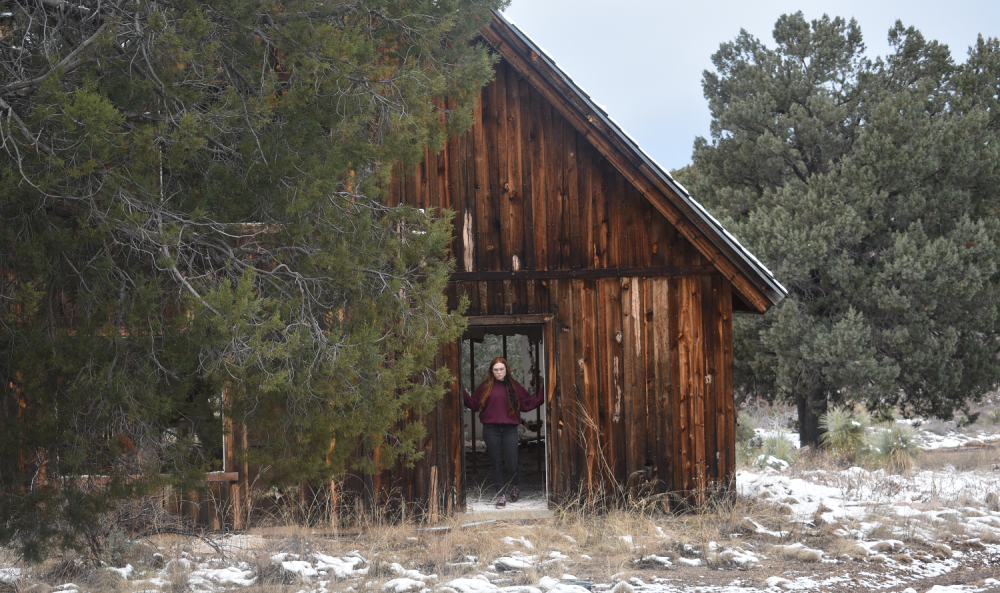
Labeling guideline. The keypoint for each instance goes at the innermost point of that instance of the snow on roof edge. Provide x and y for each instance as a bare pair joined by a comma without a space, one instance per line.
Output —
664,174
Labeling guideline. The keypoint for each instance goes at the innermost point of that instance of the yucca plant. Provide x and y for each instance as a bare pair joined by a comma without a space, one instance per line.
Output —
844,431
892,446
777,446
993,417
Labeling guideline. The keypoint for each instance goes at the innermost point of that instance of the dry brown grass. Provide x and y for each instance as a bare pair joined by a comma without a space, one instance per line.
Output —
968,458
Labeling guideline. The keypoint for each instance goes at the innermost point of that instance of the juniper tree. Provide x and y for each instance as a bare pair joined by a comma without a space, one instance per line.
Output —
189,207
872,190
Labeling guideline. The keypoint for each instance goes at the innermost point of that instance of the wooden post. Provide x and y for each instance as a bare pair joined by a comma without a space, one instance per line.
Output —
472,413
193,507
334,516
434,495
233,436
240,490
538,411
213,505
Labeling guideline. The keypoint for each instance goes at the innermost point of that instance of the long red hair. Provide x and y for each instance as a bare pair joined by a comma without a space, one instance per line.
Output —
486,387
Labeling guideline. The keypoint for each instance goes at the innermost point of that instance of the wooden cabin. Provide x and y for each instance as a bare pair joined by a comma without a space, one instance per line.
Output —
567,233
618,285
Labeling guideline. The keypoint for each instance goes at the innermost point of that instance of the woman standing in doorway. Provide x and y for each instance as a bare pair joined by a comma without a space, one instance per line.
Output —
500,400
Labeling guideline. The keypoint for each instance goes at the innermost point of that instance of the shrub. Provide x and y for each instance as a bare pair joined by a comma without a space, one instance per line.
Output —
844,431
993,417
745,428
777,447
892,446
747,440
968,419
885,414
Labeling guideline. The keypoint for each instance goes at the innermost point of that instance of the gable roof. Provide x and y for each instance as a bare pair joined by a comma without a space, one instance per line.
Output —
752,280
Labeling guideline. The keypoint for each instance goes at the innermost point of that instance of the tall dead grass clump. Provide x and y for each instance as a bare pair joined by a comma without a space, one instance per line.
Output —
892,446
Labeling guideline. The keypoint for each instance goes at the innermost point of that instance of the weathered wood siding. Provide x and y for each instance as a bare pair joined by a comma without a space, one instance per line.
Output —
531,193
640,384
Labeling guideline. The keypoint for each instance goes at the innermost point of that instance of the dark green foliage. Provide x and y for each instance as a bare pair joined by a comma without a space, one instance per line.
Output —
871,189
189,206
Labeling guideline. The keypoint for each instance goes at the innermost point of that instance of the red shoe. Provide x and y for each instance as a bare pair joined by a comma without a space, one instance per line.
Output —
515,494
501,501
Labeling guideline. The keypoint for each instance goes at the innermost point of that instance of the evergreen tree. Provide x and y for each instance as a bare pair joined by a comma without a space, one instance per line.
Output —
190,229
872,190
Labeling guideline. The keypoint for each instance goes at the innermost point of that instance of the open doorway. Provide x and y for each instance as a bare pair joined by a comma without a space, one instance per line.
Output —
522,347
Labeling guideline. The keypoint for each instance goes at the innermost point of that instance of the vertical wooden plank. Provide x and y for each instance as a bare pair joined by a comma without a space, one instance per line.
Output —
613,415
605,401
602,228
587,360
625,222
726,382
552,385
614,215
681,459
574,251
410,188
585,167
539,182
714,413
480,185
649,383
578,419
552,122
567,396
692,381
447,190
660,403
433,503
484,297
640,229
241,498
501,194
446,413
527,182
519,201
514,196
634,375
421,186
658,235
230,494
459,200
493,105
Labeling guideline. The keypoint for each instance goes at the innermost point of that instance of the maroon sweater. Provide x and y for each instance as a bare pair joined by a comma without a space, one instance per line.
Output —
495,411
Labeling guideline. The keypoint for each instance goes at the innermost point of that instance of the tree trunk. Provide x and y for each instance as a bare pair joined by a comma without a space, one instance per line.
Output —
811,405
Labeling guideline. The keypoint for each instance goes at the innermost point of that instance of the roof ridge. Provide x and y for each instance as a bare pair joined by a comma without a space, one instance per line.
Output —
762,270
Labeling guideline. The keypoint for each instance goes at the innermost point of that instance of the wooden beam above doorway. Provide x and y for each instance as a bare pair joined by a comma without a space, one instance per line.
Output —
643,272
487,320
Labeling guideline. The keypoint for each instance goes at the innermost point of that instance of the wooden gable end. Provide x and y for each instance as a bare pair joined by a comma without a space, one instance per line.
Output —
533,194
544,186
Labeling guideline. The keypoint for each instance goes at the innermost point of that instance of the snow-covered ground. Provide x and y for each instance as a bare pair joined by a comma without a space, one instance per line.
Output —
793,529
928,440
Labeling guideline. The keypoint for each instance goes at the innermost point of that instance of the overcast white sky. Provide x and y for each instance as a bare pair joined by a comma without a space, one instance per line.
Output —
643,59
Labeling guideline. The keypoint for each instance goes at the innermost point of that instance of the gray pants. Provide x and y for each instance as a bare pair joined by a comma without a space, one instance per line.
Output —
501,445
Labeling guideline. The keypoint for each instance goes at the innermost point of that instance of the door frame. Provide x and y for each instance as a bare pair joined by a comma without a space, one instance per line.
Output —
543,321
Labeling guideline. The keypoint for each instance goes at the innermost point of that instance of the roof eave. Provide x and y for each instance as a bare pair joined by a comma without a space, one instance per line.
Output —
755,271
